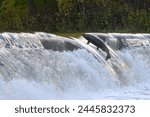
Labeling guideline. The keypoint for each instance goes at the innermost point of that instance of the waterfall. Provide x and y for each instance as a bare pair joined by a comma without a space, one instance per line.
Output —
46,66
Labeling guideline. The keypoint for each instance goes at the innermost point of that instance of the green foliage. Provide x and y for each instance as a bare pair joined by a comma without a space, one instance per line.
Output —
75,15
12,14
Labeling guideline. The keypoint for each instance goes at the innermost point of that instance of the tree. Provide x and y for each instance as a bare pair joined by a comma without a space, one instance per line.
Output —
31,7
46,14
12,13
75,15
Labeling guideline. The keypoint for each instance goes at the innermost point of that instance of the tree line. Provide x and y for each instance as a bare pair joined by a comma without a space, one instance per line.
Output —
75,15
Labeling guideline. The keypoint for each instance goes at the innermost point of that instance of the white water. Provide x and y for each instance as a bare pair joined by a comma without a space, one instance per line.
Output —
37,73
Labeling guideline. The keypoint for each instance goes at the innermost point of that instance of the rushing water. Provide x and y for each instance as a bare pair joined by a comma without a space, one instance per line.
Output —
71,69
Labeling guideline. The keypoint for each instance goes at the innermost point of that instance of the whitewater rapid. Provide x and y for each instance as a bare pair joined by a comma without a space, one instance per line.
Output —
36,73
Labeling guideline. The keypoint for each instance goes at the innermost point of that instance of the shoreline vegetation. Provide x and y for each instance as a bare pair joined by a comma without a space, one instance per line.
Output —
70,17
69,34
